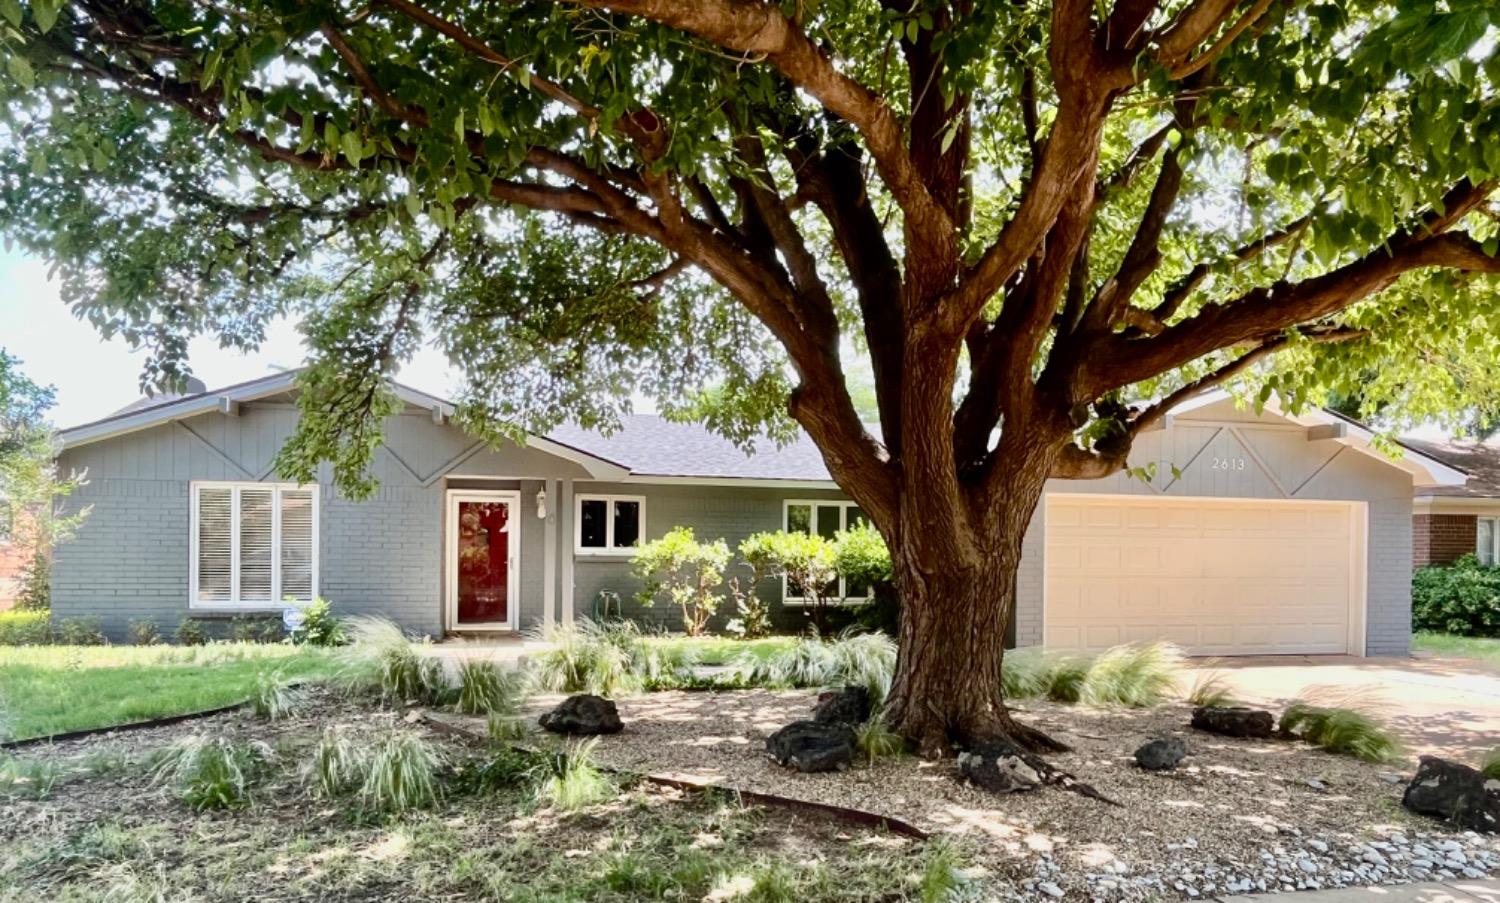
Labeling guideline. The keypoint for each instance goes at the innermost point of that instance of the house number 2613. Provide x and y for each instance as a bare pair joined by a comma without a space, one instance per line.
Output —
1229,464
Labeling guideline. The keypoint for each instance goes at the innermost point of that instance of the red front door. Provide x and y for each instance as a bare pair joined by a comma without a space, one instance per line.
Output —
484,562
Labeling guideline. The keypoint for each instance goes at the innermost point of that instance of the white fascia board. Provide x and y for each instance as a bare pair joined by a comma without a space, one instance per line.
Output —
598,468
737,482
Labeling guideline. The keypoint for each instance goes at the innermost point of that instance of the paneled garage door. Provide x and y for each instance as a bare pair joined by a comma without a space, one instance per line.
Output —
1215,576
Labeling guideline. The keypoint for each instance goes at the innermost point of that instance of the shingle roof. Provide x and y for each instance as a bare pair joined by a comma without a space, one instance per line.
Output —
1480,460
652,446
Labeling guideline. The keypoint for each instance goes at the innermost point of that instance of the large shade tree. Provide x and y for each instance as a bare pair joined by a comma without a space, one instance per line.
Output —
1044,223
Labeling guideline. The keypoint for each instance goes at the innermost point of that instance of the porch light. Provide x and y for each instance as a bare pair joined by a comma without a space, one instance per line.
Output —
541,503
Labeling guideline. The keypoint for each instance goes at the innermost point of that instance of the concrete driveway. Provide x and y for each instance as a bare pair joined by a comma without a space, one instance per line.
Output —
1443,706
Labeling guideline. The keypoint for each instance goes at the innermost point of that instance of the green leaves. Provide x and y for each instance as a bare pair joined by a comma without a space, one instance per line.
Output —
20,70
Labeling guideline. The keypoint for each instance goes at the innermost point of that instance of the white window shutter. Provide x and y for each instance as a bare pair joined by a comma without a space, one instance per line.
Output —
215,540
297,550
257,558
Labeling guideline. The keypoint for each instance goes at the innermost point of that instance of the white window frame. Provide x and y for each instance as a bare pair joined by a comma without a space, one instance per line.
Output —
1494,540
786,524
234,602
609,500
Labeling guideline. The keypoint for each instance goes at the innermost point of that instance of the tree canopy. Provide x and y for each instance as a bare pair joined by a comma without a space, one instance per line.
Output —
1095,199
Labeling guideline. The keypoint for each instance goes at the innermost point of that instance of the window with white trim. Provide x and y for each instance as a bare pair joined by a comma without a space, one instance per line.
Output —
609,524
826,519
254,545
1488,545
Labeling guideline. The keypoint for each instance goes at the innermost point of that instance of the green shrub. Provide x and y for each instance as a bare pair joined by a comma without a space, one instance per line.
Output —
1341,730
34,582
942,879
319,627
255,629
485,688
212,772
498,770
401,774
805,560
192,632
79,632
688,572
1462,599
144,632
381,656
568,779
25,628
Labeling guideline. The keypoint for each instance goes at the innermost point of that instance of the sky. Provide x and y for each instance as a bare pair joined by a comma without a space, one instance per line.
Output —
94,377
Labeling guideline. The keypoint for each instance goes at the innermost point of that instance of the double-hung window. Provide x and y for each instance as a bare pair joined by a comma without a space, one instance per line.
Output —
254,545
1488,545
826,519
610,524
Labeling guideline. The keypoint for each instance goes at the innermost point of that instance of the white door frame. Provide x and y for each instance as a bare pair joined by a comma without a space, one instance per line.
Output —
511,497
1359,521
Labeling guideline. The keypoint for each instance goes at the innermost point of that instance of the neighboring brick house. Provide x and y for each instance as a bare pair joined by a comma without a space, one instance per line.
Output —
1451,521
12,558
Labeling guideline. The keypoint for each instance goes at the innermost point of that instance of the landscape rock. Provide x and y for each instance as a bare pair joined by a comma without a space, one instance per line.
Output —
851,705
1234,721
584,714
1162,754
1454,792
812,746
998,768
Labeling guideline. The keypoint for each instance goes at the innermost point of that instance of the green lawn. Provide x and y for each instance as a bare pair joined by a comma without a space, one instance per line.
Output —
1482,648
53,689
717,650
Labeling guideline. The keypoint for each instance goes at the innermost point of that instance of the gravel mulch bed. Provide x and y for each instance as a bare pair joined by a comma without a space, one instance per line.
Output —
1239,816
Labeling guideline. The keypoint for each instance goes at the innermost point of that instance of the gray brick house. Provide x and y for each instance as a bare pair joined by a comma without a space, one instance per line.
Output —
1255,533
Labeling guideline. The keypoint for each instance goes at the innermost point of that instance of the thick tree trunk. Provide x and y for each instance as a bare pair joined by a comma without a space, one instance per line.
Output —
957,595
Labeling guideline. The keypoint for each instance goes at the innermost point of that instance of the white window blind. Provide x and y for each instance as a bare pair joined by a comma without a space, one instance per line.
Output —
254,544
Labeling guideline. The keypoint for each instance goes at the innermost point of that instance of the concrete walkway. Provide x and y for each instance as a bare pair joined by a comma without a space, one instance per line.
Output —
1449,892
1441,706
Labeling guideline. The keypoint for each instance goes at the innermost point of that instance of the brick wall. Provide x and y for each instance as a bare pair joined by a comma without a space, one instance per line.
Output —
12,557
1441,538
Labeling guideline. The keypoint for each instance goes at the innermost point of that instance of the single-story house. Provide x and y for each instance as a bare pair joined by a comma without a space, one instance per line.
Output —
1257,533
1452,521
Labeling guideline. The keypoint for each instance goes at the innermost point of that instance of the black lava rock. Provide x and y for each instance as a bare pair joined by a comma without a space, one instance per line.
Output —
1234,721
583,714
998,768
1163,754
1454,792
851,705
811,746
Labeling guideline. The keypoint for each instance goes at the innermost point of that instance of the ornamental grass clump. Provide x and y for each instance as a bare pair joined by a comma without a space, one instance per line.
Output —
401,773
273,698
876,741
337,765
485,688
1211,689
1341,730
1490,764
589,657
854,659
1133,675
212,772
28,779
381,657
568,780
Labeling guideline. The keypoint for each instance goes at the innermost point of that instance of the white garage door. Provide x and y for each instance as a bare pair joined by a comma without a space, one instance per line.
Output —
1216,577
